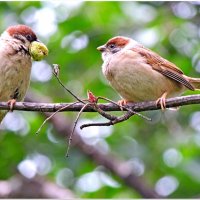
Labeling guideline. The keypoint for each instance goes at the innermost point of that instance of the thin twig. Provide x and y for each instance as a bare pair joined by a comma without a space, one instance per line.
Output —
48,118
122,118
103,113
75,123
125,108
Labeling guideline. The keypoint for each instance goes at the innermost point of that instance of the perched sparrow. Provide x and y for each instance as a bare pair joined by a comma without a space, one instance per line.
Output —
15,64
139,74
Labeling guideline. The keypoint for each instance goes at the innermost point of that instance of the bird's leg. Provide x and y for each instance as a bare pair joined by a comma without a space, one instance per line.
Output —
162,101
11,104
122,102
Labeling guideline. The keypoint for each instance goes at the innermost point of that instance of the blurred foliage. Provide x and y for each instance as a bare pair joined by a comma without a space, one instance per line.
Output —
165,152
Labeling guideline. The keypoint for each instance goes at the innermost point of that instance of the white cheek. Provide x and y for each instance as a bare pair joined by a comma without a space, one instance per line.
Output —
105,56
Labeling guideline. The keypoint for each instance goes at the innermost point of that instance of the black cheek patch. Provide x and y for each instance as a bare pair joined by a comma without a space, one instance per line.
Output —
115,50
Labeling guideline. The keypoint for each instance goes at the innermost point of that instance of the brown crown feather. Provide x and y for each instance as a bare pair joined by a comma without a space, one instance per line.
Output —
21,30
119,41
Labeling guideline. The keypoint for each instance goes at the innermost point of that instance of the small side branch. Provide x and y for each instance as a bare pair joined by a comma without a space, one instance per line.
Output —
111,122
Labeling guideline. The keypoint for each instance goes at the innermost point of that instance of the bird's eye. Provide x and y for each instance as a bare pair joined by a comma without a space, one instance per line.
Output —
29,37
112,46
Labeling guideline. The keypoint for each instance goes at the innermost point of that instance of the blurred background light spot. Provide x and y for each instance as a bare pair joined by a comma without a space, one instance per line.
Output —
190,30
27,15
5,188
138,12
94,181
184,10
41,71
9,20
15,122
27,168
62,12
89,135
166,185
43,163
191,167
43,21
137,166
172,157
89,182
196,62
92,135
79,43
196,139
177,38
75,41
51,4
148,37
64,8
71,5
36,163
195,121
102,146
108,181
51,136
65,177
185,39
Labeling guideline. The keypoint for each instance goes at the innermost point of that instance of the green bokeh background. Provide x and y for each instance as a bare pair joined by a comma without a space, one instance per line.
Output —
169,146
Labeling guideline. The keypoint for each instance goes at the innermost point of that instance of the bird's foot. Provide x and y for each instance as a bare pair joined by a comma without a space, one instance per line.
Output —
11,104
162,101
122,102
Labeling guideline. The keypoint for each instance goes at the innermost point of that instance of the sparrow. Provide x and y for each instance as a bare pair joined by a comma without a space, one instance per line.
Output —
139,74
15,64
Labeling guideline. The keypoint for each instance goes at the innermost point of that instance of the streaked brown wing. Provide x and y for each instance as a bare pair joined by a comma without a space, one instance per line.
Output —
163,66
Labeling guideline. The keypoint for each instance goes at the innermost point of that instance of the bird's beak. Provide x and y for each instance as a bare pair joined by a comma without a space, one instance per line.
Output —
38,41
101,48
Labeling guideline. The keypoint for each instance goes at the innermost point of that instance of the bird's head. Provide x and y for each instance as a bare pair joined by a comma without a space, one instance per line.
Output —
22,33
24,39
115,45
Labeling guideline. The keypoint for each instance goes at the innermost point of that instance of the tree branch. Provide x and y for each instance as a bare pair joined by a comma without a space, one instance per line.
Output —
37,187
137,107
